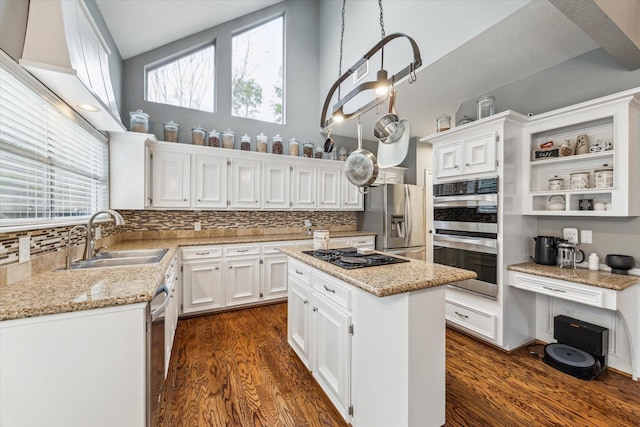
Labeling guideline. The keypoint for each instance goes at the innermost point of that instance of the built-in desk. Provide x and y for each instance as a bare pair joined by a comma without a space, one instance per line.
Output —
595,288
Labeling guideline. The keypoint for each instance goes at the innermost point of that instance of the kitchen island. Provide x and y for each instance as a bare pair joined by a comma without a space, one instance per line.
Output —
374,338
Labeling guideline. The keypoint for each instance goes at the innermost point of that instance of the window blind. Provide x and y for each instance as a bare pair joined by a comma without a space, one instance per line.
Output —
51,169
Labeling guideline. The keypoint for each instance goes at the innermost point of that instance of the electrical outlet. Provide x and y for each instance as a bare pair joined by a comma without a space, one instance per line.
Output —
97,233
571,235
586,236
197,226
24,250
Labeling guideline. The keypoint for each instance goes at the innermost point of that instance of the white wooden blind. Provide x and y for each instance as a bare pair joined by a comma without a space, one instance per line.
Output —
51,169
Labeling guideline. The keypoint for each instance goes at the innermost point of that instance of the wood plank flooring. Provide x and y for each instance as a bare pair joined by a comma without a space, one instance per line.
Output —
237,369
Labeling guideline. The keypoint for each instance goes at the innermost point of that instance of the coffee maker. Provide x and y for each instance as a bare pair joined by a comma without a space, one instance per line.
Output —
568,255
546,250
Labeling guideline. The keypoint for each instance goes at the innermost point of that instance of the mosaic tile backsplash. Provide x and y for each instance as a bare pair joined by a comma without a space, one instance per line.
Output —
160,224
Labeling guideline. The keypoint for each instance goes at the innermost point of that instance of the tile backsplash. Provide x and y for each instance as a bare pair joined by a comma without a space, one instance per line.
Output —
48,245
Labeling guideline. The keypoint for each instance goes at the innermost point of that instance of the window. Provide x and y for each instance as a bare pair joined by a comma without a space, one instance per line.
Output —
257,63
51,168
186,82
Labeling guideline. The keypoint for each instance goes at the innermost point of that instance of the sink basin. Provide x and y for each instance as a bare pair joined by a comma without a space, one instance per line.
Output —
121,259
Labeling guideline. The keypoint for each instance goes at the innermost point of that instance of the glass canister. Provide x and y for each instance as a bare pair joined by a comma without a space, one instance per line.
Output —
228,139
443,122
197,136
486,106
139,121
464,120
307,149
318,151
556,183
262,141
213,138
294,147
277,144
171,131
245,142
342,154
603,177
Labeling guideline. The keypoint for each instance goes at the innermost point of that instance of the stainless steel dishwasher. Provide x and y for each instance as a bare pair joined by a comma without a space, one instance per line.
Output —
156,351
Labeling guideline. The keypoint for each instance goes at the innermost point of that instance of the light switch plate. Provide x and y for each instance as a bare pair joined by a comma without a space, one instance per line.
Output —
98,232
197,226
586,236
571,235
24,250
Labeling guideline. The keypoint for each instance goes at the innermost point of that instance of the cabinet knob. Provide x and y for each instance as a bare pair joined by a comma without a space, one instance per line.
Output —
199,200
466,164
305,301
267,201
315,308
219,268
456,166
184,200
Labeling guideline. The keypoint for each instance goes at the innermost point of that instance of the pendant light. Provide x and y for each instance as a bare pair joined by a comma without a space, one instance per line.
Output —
381,85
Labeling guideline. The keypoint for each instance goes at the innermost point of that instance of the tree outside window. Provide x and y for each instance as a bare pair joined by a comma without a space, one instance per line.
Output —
186,82
257,83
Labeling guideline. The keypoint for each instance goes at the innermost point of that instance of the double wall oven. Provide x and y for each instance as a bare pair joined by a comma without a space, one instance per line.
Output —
465,223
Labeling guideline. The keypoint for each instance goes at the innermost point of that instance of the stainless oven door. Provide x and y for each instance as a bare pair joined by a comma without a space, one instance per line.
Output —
470,253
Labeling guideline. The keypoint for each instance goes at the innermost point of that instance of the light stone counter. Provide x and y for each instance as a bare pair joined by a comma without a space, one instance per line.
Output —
386,280
64,291
601,279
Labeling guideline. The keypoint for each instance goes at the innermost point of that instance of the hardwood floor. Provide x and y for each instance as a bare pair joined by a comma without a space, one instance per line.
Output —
237,369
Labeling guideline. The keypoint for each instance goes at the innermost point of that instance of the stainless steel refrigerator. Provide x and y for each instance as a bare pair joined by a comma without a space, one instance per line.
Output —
396,212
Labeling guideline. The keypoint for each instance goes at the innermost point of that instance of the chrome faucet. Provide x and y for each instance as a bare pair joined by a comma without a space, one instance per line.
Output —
91,243
74,228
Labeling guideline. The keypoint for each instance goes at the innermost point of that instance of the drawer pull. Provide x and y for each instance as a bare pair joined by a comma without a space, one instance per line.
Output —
202,253
299,272
461,315
555,290
326,288
242,250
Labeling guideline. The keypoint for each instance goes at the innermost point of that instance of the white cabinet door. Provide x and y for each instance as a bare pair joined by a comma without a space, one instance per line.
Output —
202,285
303,185
275,185
363,242
170,179
329,188
352,197
331,352
245,183
448,159
480,153
298,318
274,277
242,280
210,186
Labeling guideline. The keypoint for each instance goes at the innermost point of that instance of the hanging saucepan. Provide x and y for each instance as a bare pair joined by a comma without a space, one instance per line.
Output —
387,125
361,167
328,143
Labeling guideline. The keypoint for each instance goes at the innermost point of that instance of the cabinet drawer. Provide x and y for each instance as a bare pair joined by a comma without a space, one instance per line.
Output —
590,295
195,252
472,319
332,289
272,248
241,250
300,271
367,241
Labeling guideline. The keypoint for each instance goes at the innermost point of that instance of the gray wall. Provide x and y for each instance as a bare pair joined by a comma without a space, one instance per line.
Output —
301,78
585,77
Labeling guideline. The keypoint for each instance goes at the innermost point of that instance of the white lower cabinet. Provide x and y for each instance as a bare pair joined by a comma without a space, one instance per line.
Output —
241,280
202,285
298,319
274,277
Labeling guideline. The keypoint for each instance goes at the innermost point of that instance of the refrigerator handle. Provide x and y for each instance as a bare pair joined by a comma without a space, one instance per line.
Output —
407,214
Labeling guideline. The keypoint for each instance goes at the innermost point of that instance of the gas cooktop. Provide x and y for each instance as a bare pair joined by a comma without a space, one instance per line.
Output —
349,258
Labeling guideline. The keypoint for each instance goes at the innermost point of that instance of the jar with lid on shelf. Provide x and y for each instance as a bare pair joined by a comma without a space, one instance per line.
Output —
294,147
443,122
197,135
171,131
603,177
262,142
464,120
277,145
228,139
213,139
307,149
486,106
245,142
139,121
318,152
342,154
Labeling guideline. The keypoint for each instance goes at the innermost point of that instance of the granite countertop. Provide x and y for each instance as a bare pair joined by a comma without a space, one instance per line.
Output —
601,279
386,280
63,291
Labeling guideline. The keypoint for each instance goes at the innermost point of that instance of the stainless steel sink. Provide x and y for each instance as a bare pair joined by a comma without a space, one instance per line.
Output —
121,259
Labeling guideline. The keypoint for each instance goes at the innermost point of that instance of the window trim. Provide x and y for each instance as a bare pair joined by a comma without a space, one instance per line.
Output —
33,84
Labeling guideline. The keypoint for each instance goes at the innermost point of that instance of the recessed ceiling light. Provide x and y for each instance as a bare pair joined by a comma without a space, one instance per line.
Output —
87,107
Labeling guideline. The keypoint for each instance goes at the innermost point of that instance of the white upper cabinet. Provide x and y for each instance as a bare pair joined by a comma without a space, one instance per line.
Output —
352,197
329,188
303,186
210,186
170,178
275,185
472,155
244,183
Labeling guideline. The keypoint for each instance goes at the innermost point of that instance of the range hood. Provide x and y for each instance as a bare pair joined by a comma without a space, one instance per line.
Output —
64,50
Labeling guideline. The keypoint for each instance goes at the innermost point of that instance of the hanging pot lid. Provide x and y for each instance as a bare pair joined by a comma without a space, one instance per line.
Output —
393,154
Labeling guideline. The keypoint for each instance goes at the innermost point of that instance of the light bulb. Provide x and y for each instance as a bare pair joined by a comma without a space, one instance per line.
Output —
338,116
382,85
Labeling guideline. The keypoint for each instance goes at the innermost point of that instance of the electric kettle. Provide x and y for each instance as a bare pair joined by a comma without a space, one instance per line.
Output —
546,250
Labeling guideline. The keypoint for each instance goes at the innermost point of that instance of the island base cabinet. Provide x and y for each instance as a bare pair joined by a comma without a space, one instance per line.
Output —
75,369
298,319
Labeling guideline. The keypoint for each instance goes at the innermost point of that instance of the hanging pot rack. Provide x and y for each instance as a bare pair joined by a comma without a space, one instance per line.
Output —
409,70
